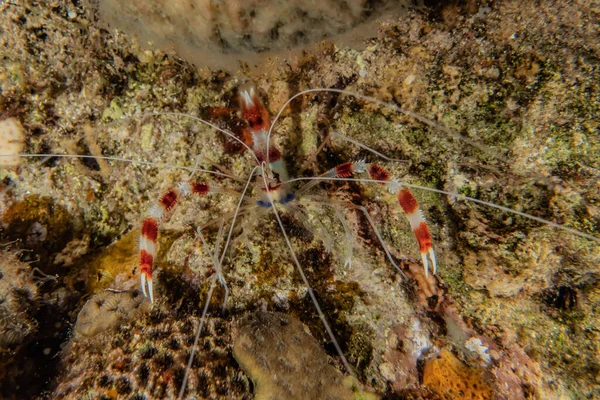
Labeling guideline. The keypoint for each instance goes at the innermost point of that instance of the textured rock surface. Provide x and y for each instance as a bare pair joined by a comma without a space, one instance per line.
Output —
33,326
41,226
221,35
520,80
12,141
284,361
18,301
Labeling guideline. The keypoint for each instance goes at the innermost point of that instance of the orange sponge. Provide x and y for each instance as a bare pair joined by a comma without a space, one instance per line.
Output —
451,378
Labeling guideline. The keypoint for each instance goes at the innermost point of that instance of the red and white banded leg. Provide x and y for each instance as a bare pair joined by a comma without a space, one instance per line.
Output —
407,202
157,215
413,213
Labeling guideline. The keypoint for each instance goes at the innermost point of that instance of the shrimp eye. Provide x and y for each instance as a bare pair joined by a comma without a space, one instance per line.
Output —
255,121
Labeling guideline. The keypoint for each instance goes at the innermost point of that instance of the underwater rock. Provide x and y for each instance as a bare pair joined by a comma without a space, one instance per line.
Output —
284,361
223,34
524,81
495,365
109,309
406,345
12,141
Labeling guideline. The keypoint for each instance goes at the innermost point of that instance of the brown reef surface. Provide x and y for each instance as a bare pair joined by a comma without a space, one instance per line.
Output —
513,310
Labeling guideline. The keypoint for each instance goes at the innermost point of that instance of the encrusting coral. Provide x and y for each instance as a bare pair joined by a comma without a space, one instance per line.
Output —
145,358
124,349
109,309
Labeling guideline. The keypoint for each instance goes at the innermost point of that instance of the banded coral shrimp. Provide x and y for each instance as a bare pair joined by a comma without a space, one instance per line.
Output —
366,272
516,81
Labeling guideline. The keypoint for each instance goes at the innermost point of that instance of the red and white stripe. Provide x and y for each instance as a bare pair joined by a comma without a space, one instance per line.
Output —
410,206
346,170
157,214
258,120
413,213
257,117
407,202
253,110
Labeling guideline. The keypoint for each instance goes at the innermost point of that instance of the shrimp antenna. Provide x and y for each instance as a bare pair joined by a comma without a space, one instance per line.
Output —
212,287
382,103
460,197
338,349
125,160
